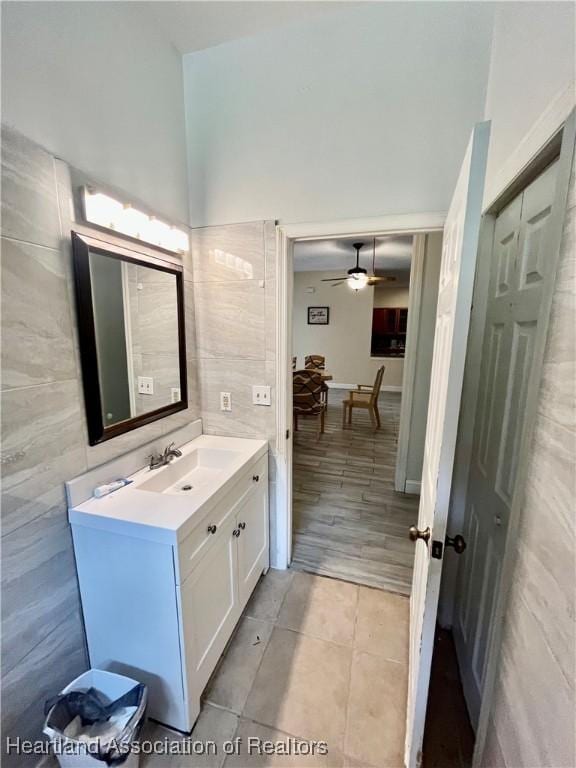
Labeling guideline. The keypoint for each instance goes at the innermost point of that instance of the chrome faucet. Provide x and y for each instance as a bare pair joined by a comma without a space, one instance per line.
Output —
161,459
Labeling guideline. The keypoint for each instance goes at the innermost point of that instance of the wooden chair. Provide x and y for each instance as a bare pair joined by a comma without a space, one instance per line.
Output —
364,396
315,361
308,398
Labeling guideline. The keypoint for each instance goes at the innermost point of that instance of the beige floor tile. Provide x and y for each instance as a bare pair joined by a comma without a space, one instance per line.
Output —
213,725
320,607
263,747
233,680
302,687
376,711
382,624
268,596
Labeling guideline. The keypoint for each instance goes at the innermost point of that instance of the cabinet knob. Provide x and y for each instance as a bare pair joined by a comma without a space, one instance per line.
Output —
256,478
241,526
211,529
236,532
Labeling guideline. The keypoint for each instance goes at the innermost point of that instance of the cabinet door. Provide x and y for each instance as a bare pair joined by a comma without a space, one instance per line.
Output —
252,527
210,608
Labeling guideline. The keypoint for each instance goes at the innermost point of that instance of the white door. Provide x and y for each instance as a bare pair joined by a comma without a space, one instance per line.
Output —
452,320
518,271
252,534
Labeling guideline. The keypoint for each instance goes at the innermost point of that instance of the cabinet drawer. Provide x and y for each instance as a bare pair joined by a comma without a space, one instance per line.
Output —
208,531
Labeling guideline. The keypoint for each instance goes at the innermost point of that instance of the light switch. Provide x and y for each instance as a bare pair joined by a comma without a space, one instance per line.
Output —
225,401
145,385
261,394
175,395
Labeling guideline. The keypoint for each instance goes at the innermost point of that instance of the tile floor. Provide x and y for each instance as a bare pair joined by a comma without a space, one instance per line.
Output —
349,522
314,659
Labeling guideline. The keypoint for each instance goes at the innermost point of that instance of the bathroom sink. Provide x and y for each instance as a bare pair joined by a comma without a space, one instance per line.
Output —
191,472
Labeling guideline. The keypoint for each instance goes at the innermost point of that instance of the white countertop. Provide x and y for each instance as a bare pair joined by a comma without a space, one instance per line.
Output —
166,517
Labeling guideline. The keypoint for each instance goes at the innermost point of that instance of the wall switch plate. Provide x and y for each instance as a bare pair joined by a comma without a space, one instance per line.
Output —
145,385
175,395
261,394
225,401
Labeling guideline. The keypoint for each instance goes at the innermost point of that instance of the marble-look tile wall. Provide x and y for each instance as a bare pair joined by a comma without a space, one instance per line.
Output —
44,435
154,334
232,270
535,697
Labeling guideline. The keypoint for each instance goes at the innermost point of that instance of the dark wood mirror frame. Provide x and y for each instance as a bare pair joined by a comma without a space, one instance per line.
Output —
82,246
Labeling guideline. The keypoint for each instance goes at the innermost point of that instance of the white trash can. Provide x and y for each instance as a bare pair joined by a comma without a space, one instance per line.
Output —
73,752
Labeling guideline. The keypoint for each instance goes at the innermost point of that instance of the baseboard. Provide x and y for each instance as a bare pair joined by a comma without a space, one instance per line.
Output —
388,388
412,486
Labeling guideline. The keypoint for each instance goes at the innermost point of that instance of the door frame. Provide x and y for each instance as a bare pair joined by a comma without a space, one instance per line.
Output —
566,135
286,236
401,480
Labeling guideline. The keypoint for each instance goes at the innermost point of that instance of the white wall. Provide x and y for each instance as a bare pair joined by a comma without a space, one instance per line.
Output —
385,297
531,70
96,84
345,342
357,114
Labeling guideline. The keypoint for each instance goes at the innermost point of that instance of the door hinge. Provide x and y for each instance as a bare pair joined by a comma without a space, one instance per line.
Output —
287,434
437,549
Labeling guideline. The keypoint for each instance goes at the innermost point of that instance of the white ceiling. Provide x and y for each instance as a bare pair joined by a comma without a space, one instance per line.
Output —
393,253
192,26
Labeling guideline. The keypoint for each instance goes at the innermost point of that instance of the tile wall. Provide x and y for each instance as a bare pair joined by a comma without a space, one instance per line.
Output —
44,435
232,270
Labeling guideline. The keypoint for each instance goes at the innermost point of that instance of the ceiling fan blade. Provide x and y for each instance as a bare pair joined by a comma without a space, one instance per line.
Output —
333,279
374,279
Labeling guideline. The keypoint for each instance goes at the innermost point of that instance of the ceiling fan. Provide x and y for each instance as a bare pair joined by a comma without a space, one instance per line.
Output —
358,277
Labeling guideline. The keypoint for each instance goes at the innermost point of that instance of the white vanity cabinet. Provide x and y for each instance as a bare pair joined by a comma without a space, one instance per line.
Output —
164,611
219,582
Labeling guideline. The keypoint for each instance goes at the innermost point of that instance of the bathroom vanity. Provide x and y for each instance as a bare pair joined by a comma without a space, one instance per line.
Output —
167,564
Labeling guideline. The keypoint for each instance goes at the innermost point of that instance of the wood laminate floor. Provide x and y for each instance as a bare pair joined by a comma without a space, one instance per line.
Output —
349,522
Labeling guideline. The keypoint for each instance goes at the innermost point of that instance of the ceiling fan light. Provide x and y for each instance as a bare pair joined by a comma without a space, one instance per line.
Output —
358,281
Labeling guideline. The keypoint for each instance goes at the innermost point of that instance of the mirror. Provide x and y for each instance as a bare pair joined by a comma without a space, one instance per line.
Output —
132,345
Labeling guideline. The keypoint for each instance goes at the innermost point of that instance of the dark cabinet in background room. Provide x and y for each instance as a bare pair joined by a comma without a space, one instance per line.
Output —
389,326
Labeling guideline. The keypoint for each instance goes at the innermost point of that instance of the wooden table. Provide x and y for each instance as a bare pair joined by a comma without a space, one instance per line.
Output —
325,376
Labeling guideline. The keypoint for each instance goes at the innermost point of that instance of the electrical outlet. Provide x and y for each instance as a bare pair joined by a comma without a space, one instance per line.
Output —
145,385
260,394
225,401
175,395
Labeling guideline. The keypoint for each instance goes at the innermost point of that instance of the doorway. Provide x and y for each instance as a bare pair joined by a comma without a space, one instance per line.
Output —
350,518
348,521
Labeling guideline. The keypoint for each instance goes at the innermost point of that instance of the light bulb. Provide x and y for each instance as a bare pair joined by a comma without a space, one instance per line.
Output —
101,209
132,222
358,281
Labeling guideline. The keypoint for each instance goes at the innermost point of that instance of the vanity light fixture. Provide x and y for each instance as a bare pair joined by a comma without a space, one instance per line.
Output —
107,212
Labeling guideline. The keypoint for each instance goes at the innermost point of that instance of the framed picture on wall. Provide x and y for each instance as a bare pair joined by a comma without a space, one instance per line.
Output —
318,315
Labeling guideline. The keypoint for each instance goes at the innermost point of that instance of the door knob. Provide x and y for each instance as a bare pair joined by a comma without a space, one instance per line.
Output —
457,542
416,534
211,529
255,478
241,526
236,533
